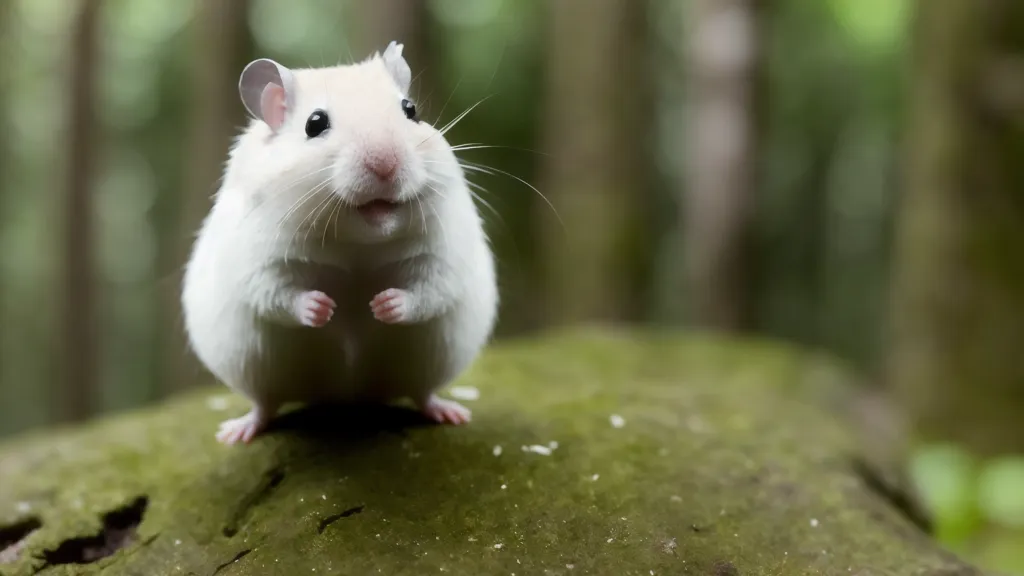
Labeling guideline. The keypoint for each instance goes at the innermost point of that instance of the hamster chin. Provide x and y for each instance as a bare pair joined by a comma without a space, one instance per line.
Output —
377,220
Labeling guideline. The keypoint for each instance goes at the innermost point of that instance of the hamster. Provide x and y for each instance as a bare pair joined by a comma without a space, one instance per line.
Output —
343,259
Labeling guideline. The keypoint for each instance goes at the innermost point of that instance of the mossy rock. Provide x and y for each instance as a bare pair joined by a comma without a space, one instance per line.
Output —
721,465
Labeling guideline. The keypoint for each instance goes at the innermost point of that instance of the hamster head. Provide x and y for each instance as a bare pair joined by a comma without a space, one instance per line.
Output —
344,147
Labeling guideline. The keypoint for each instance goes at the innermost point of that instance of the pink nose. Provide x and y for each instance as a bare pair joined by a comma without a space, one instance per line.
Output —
382,162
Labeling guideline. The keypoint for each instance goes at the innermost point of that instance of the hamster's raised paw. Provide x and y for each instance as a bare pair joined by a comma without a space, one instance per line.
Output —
392,306
314,309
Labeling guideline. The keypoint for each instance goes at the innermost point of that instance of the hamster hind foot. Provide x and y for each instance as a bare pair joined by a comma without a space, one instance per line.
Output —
445,411
247,427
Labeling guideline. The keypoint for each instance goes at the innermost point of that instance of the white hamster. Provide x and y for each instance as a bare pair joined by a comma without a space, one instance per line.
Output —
343,259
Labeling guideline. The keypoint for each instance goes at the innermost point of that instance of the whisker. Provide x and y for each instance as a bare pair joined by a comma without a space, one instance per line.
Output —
459,118
492,171
318,211
312,192
464,147
337,215
441,113
334,203
289,185
299,227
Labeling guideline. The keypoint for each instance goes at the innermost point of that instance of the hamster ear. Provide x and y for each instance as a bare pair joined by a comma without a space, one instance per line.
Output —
268,91
397,66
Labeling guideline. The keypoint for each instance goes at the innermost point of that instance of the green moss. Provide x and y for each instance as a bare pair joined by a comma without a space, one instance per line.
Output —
722,467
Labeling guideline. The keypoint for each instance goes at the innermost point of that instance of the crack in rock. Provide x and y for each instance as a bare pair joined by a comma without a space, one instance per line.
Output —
119,531
271,480
237,557
891,493
335,517
13,537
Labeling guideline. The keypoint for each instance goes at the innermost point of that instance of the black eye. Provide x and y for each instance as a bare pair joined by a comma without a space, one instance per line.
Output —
410,110
317,123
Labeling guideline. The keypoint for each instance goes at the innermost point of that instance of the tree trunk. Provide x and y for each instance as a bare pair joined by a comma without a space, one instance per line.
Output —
73,400
595,131
6,86
958,303
721,160
221,47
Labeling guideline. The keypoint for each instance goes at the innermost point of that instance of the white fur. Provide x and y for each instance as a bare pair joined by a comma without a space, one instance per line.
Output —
267,240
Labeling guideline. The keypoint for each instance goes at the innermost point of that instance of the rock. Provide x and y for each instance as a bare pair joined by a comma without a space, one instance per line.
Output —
729,458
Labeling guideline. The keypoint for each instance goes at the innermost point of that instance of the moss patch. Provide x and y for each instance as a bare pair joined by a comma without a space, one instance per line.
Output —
722,466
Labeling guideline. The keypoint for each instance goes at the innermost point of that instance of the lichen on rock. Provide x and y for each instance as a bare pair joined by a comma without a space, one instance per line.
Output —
722,461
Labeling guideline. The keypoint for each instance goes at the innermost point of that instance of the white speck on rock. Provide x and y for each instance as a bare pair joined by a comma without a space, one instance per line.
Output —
570,566
503,486
498,546
217,403
617,421
177,542
814,522
595,477
24,507
497,450
464,393
669,546
323,496
471,539
538,449
553,445
675,498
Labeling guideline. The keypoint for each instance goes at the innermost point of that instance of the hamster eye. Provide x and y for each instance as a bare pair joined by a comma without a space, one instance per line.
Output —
317,123
410,110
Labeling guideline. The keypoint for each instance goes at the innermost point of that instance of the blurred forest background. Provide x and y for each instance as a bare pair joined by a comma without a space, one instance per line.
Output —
846,175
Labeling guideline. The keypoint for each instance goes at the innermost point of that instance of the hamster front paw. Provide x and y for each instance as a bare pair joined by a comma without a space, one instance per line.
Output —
392,306
314,309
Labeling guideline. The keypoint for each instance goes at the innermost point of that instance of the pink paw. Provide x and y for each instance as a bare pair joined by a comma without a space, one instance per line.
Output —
314,309
242,429
446,411
392,306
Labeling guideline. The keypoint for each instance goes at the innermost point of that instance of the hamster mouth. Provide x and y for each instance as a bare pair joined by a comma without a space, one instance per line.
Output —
376,210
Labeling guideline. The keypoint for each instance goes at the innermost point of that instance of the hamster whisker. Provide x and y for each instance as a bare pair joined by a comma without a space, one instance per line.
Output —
435,190
336,214
311,194
464,147
459,118
289,185
441,113
454,122
298,203
484,201
318,211
335,203
473,167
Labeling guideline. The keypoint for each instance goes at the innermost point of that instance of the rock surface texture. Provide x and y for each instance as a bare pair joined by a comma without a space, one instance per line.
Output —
590,452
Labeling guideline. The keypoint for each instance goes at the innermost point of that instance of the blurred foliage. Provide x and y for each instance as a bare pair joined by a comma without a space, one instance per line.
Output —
833,115
978,505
